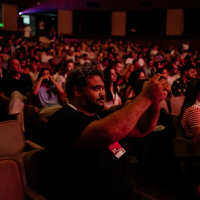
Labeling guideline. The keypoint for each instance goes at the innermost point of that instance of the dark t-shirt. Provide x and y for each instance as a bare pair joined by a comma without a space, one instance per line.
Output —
23,85
82,172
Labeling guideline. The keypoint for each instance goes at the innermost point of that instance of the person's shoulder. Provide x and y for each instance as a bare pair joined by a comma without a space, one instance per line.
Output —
194,108
25,76
66,112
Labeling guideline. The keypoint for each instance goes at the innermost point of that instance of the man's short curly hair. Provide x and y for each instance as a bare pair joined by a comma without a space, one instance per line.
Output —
78,77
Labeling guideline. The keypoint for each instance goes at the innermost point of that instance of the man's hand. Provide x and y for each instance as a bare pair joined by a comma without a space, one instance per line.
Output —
155,89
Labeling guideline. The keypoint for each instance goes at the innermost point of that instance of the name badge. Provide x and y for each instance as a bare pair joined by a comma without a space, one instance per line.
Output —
117,149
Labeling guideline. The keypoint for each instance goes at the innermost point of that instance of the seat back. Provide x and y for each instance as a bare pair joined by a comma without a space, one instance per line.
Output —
164,105
34,164
176,104
11,138
30,98
180,132
11,187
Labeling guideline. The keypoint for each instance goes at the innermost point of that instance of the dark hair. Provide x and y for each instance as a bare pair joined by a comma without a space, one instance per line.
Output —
10,61
79,77
193,89
137,86
160,70
30,48
51,45
18,55
50,61
41,72
130,54
134,76
107,81
186,68
198,65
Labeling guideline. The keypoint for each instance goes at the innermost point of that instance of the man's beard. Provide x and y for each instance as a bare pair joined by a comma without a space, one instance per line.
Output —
91,106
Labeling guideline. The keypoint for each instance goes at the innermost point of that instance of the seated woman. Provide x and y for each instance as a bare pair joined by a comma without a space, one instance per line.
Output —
137,74
111,88
190,112
47,91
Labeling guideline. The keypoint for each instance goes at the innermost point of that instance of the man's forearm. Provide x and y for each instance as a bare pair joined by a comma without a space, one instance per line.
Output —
125,119
147,122
4,97
149,119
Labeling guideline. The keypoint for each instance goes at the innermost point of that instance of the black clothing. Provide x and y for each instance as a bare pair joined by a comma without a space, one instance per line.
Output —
178,87
23,85
78,172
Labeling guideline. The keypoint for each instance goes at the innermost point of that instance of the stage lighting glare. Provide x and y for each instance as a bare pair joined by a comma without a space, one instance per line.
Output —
1,24
20,13
38,3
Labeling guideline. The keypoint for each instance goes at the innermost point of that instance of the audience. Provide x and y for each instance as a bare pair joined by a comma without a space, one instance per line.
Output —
122,64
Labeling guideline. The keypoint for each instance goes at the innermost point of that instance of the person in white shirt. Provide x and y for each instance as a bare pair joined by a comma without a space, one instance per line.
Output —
130,59
84,59
27,32
70,55
42,28
173,74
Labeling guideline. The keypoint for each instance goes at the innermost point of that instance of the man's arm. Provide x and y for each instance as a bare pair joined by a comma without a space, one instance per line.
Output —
147,122
4,97
119,124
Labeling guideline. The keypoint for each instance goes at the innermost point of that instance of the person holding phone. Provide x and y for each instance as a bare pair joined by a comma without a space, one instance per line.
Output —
47,91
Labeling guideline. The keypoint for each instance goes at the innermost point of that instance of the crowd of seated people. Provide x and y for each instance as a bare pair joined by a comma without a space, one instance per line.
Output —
126,62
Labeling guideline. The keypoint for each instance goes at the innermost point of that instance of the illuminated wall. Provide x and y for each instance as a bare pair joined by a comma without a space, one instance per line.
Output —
118,24
65,21
9,17
175,22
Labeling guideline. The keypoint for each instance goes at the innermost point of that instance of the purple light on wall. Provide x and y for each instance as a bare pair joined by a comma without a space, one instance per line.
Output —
43,7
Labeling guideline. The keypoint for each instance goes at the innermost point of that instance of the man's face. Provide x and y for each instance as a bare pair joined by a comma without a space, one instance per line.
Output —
151,63
190,73
39,66
92,98
118,68
23,63
70,53
132,55
53,63
15,66
175,69
70,66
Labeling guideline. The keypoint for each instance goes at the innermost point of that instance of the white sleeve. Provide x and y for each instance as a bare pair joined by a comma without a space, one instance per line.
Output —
58,80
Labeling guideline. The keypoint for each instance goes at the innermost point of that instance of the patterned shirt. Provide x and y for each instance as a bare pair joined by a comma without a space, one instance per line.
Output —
179,87
191,118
